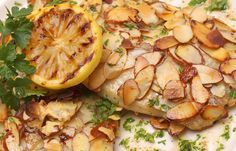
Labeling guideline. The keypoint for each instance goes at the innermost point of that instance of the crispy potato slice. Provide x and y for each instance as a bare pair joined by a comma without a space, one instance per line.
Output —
11,140
211,112
109,132
189,54
219,54
97,78
147,14
51,127
53,144
130,91
175,129
165,73
121,14
159,123
208,75
199,93
211,39
80,142
113,59
174,89
101,144
171,52
113,71
165,43
228,66
229,35
199,14
140,63
188,73
218,90
144,80
153,57
184,111
216,37
183,33
63,110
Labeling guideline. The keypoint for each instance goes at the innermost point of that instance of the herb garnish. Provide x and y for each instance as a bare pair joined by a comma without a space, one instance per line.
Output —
14,69
156,102
148,137
153,102
164,31
232,94
221,147
196,2
125,143
55,2
191,145
103,109
127,123
130,26
226,134
218,5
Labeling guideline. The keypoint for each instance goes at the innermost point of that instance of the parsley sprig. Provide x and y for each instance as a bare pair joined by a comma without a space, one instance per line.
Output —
14,69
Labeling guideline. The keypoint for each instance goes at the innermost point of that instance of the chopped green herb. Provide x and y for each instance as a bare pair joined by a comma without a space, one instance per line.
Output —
93,8
154,102
181,69
162,142
142,123
234,129
11,119
165,107
2,135
125,143
55,2
17,4
127,123
106,42
120,51
148,137
221,147
164,31
72,2
191,145
14,69
196,2
226,134
217,5
130,26
103,109
232,94
145,37
153,27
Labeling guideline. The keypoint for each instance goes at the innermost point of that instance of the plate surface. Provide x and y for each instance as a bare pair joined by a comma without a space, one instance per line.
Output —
211,137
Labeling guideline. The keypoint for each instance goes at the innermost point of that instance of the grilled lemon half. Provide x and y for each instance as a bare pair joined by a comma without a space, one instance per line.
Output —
65,47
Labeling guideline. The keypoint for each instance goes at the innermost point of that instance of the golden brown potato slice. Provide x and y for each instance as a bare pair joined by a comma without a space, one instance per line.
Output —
199,93
165,43
130,91
184,111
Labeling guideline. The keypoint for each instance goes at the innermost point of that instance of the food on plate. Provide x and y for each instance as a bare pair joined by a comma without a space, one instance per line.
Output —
56,123
176,65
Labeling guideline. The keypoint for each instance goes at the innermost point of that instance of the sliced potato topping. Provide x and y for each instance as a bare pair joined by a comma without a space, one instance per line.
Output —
199,93
121,14
174,89
189,54
184,111
130,91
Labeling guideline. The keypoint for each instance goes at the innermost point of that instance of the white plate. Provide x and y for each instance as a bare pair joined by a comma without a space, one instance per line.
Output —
212,135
